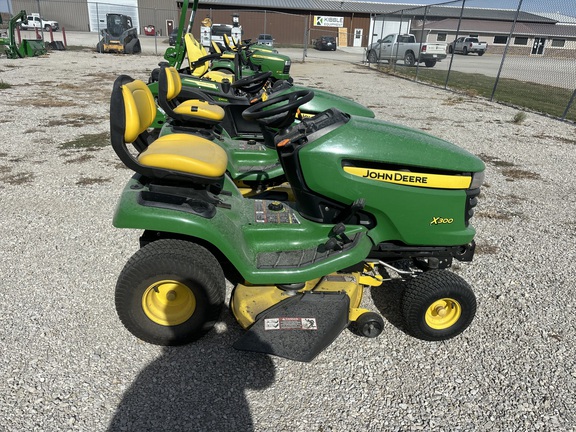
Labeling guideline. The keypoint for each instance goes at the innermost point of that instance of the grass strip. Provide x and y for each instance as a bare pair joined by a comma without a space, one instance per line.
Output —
542,98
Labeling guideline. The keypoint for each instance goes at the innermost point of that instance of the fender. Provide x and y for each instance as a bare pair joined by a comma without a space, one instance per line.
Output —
249,240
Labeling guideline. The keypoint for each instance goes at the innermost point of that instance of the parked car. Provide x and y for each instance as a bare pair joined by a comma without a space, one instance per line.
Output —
404,47
325,43
34,20
265,39
467,45
172,37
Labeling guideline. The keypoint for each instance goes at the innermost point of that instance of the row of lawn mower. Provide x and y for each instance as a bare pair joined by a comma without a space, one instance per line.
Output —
300,198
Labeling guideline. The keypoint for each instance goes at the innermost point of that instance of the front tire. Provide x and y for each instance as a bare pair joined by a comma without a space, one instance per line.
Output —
438,305
170,292
465,51
369,325
409,59
372,57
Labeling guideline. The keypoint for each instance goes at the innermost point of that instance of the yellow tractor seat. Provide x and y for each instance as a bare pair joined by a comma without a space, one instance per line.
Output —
185,153
201,109
195,111
180,158
201,69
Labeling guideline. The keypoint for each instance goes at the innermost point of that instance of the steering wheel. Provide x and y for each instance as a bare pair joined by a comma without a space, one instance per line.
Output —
287,103
252,83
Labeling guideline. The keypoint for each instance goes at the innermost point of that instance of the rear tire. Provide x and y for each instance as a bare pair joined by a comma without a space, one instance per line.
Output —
170,292
409,59
438,305
465,51
430,63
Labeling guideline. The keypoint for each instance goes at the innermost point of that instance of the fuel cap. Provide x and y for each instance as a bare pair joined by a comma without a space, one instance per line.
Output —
275,206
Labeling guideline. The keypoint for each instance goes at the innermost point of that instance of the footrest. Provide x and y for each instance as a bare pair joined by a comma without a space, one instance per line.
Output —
301,258
298,328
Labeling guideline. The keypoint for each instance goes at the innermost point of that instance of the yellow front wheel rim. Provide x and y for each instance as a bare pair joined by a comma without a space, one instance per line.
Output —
168,302
443,313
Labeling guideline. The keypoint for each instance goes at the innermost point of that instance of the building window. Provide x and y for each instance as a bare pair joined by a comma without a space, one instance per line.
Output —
441,37
520,40
500,39
558,43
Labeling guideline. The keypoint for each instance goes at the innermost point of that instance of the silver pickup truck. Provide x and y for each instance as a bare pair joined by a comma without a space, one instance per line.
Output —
396,47
466,44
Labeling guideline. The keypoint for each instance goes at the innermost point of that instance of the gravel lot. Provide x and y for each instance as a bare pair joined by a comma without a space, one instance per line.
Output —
69,364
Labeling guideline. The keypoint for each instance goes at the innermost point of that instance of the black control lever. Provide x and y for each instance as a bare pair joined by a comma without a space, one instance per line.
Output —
351,210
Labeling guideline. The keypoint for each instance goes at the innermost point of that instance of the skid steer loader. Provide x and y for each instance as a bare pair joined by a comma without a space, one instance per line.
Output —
120,36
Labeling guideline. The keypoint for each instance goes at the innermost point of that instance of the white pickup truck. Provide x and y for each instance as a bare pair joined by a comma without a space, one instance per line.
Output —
396,47
466,44
34,20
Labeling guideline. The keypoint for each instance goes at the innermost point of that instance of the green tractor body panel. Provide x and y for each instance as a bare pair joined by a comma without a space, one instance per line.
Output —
263,60
249,235
278,64
394,174
323,100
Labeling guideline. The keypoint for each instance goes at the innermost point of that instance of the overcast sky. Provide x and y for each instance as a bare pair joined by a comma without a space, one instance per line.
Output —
567,7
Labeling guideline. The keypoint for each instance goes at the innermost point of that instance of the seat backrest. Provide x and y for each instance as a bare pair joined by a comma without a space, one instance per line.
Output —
216,47
132,111
230,43
194,53
173,84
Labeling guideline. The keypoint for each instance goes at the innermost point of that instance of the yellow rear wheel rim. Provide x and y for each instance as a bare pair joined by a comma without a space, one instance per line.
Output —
168,302
443,313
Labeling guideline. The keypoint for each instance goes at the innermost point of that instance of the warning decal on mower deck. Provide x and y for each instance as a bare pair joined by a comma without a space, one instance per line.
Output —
290,324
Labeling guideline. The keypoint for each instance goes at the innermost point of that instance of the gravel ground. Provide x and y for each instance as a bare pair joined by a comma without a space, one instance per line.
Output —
69,364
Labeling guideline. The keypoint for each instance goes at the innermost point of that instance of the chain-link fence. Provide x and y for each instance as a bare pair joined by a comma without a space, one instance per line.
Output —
530,59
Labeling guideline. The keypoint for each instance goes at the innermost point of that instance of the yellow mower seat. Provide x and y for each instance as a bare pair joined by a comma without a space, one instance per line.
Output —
185,153
196,51
194,109
216,49
176,157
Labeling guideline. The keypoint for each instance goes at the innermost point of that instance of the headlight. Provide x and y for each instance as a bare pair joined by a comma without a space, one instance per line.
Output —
477,180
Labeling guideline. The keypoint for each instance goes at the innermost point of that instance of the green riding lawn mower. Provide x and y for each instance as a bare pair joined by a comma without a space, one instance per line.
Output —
235,87
364,201
230,126
238,59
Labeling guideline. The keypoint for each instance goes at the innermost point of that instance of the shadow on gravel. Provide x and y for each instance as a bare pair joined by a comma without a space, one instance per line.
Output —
198,387
388,299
